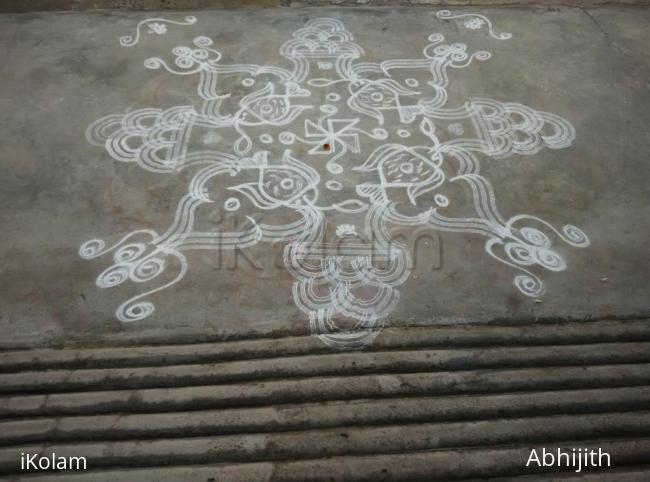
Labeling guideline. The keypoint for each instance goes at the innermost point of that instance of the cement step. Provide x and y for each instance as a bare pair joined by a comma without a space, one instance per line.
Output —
322,365
421,404
460,336
325,388
350,440
277,418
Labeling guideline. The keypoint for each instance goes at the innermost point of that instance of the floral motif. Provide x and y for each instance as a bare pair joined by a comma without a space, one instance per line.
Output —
343,230
157,28
456,128
473,23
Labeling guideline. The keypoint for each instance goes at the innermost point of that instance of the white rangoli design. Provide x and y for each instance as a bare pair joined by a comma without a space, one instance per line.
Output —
310,145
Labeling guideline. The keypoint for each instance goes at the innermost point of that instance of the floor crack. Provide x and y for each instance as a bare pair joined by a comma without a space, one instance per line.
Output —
604,32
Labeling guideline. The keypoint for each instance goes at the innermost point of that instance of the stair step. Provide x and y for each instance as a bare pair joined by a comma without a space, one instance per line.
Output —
323,389
340,441
391,338
321,415
322,365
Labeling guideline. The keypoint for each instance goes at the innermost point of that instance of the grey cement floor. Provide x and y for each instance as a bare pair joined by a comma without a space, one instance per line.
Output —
62,72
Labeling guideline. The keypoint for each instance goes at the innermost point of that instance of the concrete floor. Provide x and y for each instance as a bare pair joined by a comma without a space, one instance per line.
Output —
62,72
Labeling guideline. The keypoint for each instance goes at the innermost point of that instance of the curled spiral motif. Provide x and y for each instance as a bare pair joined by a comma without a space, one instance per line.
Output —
575,235
435,38
519,253
92,248
129,311
129,252
549,259
529,285
113,276
153,63
203,41
148,270
535,237
482,55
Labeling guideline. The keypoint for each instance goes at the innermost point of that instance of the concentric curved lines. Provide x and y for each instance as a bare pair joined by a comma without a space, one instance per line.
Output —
502,126
281,232
391,215
344,69
341,271
252,69
348,340
564,131
376,223
395,273
183,220
307,300
387,65
152,138
197,185
382,302
223,160
438,67
300,68
221,240
101,129
460,151
208,82
468,225
484,200
364,67
322,324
